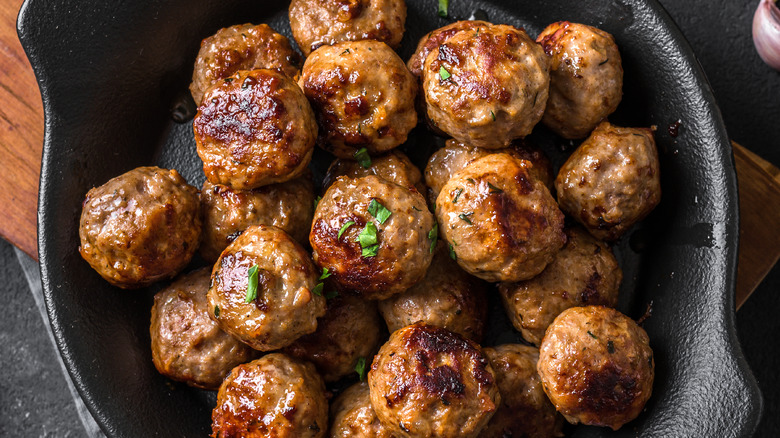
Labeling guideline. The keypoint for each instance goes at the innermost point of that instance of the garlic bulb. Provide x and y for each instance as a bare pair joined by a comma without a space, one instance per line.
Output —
766,32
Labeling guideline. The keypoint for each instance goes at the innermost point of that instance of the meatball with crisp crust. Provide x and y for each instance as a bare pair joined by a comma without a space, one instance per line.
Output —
274,396
227,212
446,297
611,181
350,329
586,77
363,96
525,410
430,382
486,87
254,128
583,273
140,227
352,415
186,344
372,236
393,166
317,23
596,366
262,289
241,47
501,223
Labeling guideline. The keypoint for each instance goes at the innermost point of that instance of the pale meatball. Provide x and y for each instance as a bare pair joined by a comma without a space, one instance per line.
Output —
274,396
612,181
363,96
586,77
501,223
524,411
372,236
353,416
596,366
486,88
318,23
186,344
447,297
350,329
583,273
140,227
430,382
393,166
227,212
254,128
241,47
282,307
455,156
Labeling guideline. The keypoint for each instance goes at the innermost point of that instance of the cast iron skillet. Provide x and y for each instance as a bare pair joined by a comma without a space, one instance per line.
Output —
114,75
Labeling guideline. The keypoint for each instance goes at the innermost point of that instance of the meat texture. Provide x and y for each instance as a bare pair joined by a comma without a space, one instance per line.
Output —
352,415
393,166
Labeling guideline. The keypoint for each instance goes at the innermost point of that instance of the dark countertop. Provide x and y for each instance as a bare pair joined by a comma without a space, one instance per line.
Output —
34,395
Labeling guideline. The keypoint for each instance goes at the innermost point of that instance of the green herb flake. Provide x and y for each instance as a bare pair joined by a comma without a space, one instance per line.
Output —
363,158
360,368
370,251
317,201
465,217
415,208
493,115
610,347
216,311
453,256
228,80
444,5
360,127
318,289
494,189
444,74
471,180
457,195
434,236
344,228
332,294
325,274
251,288
345,51
592,335
367,236
379,211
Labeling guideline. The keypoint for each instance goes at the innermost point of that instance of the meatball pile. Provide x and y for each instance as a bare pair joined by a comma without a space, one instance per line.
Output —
377,281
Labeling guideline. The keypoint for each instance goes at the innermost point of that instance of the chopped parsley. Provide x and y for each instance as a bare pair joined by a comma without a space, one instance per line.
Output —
251,288
368,240
344,228
493,115
592,335
471,180
325,274
453,256
317,201
494,189
318,289
216,311
345,51
434,236
444,5
370,251
363,158
379,211
465,217
457,195
360,368
444,74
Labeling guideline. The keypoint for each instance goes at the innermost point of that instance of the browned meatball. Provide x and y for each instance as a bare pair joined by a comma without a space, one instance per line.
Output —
241,47
186,344
596,366
611,181
318,23
363,96
447,297
227,212
455,156
486,88
393,166
525,410
254,128
283,307
140,227
583,273
274,396
365,250
350,329
353,417
500,222
430,382
586,77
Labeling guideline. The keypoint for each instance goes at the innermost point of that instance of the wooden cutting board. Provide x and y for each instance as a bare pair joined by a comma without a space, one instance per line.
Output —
21,140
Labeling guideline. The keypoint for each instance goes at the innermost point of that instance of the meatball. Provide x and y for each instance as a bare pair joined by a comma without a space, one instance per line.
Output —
186,344
318,23
241,47
611,181
393,166
353,417
372,236
455,156
262,289
583,273
500,222
525,410
363,96
227,212
274,396
586,77
486,87
446,297
430,382
350,329
254,128
596,366
140,227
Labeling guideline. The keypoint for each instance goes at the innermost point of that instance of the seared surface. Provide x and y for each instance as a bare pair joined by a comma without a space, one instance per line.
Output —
352,415
393,166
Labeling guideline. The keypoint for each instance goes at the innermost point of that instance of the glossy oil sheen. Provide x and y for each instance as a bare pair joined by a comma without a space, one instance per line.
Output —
114,77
